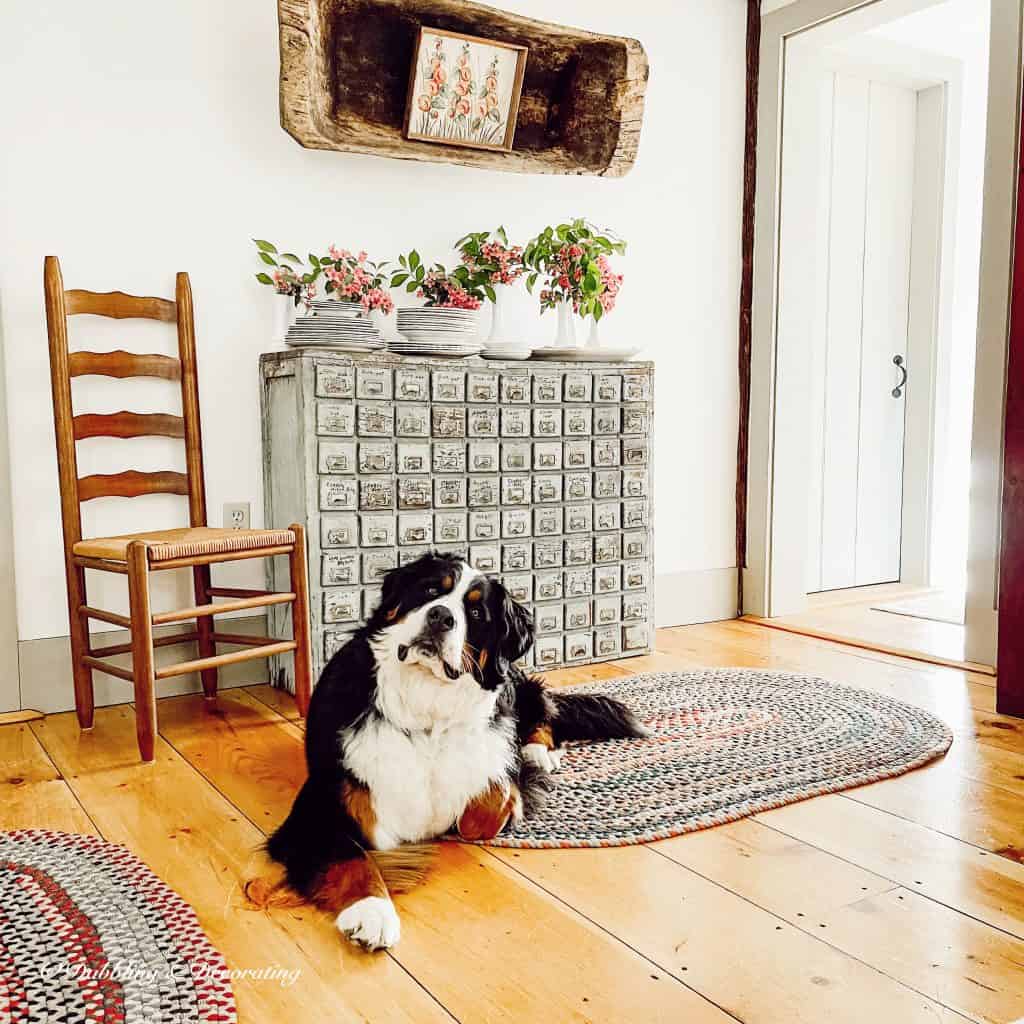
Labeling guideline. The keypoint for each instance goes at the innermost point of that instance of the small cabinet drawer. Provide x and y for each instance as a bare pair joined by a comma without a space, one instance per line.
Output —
547,488
412,384
634,419
374,382
606,453
336,419
414,493
579,518
338,531
483,525
515,557
515,523
515,456
448,385
515,388
607,420
607,642
578,387
375,420
547,422
634,514
607,610
339,568
547,455
608,387
482,386
607,578
341,605
519,586
635,544
336,456
636,575
413,458
338,494
515,422
515,490
579,646
482,422
636,387
485,557
635,638
634,452
577,615
376,494
415,528
547,521
482,491
550,618
579,422
579,550
576,454
634,483
450,491
608,483
607,515
377,564
547,554
483,456
634,607
450,527
578,583
548,651
607,548
371,600
335,381
376,457
412,421
377,531
448,421
449,457
547,388
547,585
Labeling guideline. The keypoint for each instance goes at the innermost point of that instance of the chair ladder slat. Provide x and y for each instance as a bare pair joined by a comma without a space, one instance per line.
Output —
128,424
123,364
119,305
247,654
130,484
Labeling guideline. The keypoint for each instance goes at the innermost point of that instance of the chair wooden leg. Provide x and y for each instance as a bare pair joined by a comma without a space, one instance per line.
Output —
205,629
142,648
79,629
300,619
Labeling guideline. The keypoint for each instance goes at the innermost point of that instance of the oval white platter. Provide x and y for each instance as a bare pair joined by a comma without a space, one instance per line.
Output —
586,355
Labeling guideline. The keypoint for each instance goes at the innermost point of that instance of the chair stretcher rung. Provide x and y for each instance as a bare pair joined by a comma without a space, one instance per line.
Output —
248,654
228,606
105,666
159,641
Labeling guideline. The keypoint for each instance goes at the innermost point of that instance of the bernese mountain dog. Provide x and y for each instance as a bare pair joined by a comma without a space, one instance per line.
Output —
420,725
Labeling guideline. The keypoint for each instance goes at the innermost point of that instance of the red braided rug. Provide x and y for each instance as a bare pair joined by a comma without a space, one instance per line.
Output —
89,933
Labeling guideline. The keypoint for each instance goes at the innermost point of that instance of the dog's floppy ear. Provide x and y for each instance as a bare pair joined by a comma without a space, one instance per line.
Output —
515,629
394,584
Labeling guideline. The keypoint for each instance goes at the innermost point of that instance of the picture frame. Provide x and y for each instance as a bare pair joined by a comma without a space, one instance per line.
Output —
464,90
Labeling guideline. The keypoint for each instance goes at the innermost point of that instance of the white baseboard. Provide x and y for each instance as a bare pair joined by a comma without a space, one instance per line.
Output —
45,669
705,595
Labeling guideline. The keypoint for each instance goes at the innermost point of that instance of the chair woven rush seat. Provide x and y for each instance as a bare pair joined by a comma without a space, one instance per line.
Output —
187,542
196,546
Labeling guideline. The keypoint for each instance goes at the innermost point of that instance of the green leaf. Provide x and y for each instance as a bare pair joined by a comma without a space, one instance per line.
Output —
291,258
401,259
414,259
268,259
264,278
530,282
399,279
412,286
598,311
489,292
264,246
313,260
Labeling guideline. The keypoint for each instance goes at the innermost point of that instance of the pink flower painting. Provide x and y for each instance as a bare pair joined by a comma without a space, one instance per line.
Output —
464,91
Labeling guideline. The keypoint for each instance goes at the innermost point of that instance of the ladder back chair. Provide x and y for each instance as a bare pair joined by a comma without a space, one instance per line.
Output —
137,555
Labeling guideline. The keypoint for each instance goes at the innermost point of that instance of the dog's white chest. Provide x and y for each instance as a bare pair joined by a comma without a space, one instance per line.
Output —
421,779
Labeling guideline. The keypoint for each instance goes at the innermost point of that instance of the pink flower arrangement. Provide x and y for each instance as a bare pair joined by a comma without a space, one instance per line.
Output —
355,279
491,260
289,277
573,259
452,290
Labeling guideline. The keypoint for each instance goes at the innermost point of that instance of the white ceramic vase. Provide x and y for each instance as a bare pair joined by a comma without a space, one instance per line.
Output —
565,336
284,314
594,336
498,335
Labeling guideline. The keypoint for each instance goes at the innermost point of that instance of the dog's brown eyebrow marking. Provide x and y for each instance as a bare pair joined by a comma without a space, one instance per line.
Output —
475,595
392,614
447,583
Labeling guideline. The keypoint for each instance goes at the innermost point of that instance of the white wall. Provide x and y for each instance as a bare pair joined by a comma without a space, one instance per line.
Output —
139,140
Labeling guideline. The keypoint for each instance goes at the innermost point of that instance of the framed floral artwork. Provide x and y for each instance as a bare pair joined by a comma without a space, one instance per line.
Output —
464,90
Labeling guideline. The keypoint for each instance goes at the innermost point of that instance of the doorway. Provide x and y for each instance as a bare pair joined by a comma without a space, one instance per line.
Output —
872,166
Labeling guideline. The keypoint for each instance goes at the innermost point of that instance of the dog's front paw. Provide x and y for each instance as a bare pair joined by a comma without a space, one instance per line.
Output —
371,922
545,759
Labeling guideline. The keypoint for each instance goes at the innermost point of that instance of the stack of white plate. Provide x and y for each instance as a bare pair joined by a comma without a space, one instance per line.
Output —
333,324
432,331
507,350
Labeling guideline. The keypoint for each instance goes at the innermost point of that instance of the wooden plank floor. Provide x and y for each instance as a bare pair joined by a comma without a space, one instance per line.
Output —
898,902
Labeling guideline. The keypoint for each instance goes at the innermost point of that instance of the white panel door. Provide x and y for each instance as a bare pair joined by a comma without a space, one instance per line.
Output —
857,467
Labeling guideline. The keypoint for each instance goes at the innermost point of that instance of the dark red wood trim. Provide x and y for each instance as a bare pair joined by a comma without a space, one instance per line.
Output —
746,289
1010,660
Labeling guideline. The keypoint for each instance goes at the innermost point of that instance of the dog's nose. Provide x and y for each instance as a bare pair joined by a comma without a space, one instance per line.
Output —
440,618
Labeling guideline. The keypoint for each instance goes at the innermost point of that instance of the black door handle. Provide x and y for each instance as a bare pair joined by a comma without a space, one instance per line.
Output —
898,363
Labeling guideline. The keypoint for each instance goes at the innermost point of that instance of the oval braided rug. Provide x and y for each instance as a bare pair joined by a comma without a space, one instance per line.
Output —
724,744
89,933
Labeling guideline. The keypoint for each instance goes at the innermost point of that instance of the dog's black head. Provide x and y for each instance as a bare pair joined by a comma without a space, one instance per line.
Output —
441,612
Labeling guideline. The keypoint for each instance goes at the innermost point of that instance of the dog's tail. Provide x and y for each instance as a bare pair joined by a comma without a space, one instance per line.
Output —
590,716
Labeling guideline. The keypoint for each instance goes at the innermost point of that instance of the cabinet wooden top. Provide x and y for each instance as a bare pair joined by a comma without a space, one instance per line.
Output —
270,360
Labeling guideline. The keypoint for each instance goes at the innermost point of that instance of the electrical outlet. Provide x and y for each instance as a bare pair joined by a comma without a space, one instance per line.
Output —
236,515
